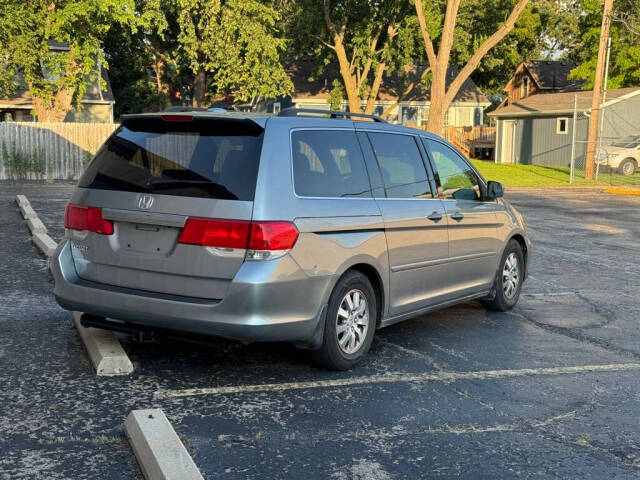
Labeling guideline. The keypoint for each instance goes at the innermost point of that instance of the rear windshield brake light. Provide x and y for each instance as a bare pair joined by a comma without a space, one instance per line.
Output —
241,234
78,217
177,118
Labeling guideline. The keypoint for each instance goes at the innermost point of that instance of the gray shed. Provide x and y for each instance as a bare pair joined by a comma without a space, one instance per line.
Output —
538,129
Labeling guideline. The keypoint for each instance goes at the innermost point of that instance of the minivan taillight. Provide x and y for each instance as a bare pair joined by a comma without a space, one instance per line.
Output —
78,217
210,232
272,236
262,240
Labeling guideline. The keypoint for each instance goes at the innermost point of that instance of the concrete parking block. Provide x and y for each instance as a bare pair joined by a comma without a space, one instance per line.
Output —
45,243
27,211
36,225
160,453
104,349
21,200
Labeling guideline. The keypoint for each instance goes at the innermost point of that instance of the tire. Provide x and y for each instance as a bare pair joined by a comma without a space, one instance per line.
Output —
505,298
339,326
627,167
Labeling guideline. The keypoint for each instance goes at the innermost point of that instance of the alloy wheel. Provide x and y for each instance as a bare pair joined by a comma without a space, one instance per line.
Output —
352,321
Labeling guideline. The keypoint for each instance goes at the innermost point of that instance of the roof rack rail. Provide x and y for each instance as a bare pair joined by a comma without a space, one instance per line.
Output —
293,112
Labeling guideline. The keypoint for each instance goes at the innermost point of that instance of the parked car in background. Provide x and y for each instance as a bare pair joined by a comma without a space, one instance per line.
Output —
622,155
298,227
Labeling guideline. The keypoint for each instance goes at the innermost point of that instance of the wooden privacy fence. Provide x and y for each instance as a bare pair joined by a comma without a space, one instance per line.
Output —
30,150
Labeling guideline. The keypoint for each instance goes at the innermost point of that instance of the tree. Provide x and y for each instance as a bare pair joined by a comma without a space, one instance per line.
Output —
56,79
231,47
130,59
368,40
624,67
442,94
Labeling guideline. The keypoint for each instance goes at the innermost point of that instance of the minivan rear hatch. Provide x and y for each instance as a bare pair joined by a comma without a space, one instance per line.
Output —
155,174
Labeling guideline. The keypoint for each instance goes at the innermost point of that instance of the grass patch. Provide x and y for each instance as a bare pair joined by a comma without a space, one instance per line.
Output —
536,176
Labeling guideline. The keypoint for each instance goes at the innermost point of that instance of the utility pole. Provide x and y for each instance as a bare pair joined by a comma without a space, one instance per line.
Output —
597,90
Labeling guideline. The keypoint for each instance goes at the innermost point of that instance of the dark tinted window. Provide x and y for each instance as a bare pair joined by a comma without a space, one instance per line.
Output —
193,162
457,178
401,165
328,163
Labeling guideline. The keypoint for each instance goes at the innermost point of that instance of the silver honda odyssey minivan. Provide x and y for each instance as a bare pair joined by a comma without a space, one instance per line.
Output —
310,228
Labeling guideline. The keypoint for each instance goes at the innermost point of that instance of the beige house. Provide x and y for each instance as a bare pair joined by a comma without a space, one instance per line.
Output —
413,109
97,103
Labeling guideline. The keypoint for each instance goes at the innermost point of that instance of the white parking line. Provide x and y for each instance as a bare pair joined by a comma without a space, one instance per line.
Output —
160,453
440,376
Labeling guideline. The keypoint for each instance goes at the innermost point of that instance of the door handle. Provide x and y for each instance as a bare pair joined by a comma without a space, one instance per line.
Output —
457,216
435,217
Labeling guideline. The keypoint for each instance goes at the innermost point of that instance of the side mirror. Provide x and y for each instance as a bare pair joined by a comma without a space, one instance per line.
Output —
494,190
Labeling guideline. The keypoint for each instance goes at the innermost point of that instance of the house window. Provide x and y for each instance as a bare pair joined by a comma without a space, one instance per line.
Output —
562,126
524,92
423,113
276,108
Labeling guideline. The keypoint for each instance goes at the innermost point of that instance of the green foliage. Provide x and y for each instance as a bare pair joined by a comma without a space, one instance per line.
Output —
336,95
21,165
360,21
236,44
28,26
625,44
129,55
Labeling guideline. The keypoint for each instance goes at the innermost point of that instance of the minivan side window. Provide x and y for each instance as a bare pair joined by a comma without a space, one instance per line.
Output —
457,178
328,163
401,165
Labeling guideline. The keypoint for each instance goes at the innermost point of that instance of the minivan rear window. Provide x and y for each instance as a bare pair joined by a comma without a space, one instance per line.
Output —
196,160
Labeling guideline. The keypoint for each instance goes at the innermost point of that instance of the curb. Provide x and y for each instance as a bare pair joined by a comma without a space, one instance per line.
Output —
22,200
160,453
42,241
623,191
27,211
45,243
36,225
105,352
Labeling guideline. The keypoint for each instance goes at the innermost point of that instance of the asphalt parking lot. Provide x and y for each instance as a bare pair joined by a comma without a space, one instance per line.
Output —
459,393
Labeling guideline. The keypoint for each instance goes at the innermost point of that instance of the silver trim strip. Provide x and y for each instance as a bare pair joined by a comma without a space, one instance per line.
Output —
439,261
132,216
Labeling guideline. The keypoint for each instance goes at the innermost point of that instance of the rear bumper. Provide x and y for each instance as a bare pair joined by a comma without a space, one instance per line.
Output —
266,301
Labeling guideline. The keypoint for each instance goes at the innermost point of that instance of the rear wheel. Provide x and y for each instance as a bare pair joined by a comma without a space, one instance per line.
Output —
350,323
508,282
627,167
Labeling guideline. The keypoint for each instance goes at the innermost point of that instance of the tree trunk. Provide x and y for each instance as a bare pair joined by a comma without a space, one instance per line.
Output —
375,88
350,84
441,96
55,109
199,88
158,68
438,103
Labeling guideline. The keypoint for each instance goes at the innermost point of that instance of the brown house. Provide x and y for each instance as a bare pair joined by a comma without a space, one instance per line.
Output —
541,76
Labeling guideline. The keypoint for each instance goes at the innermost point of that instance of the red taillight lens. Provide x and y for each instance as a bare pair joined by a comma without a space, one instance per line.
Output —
78,217
215,233
211,232
272,236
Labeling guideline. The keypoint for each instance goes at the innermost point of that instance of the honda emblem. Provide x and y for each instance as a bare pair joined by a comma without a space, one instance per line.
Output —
145,202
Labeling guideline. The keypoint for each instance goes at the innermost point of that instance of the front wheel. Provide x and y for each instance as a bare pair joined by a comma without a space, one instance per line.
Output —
350,323
508,282
627,167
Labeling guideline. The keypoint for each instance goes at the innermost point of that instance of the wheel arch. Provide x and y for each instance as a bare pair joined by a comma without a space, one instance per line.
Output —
525,251
373,275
